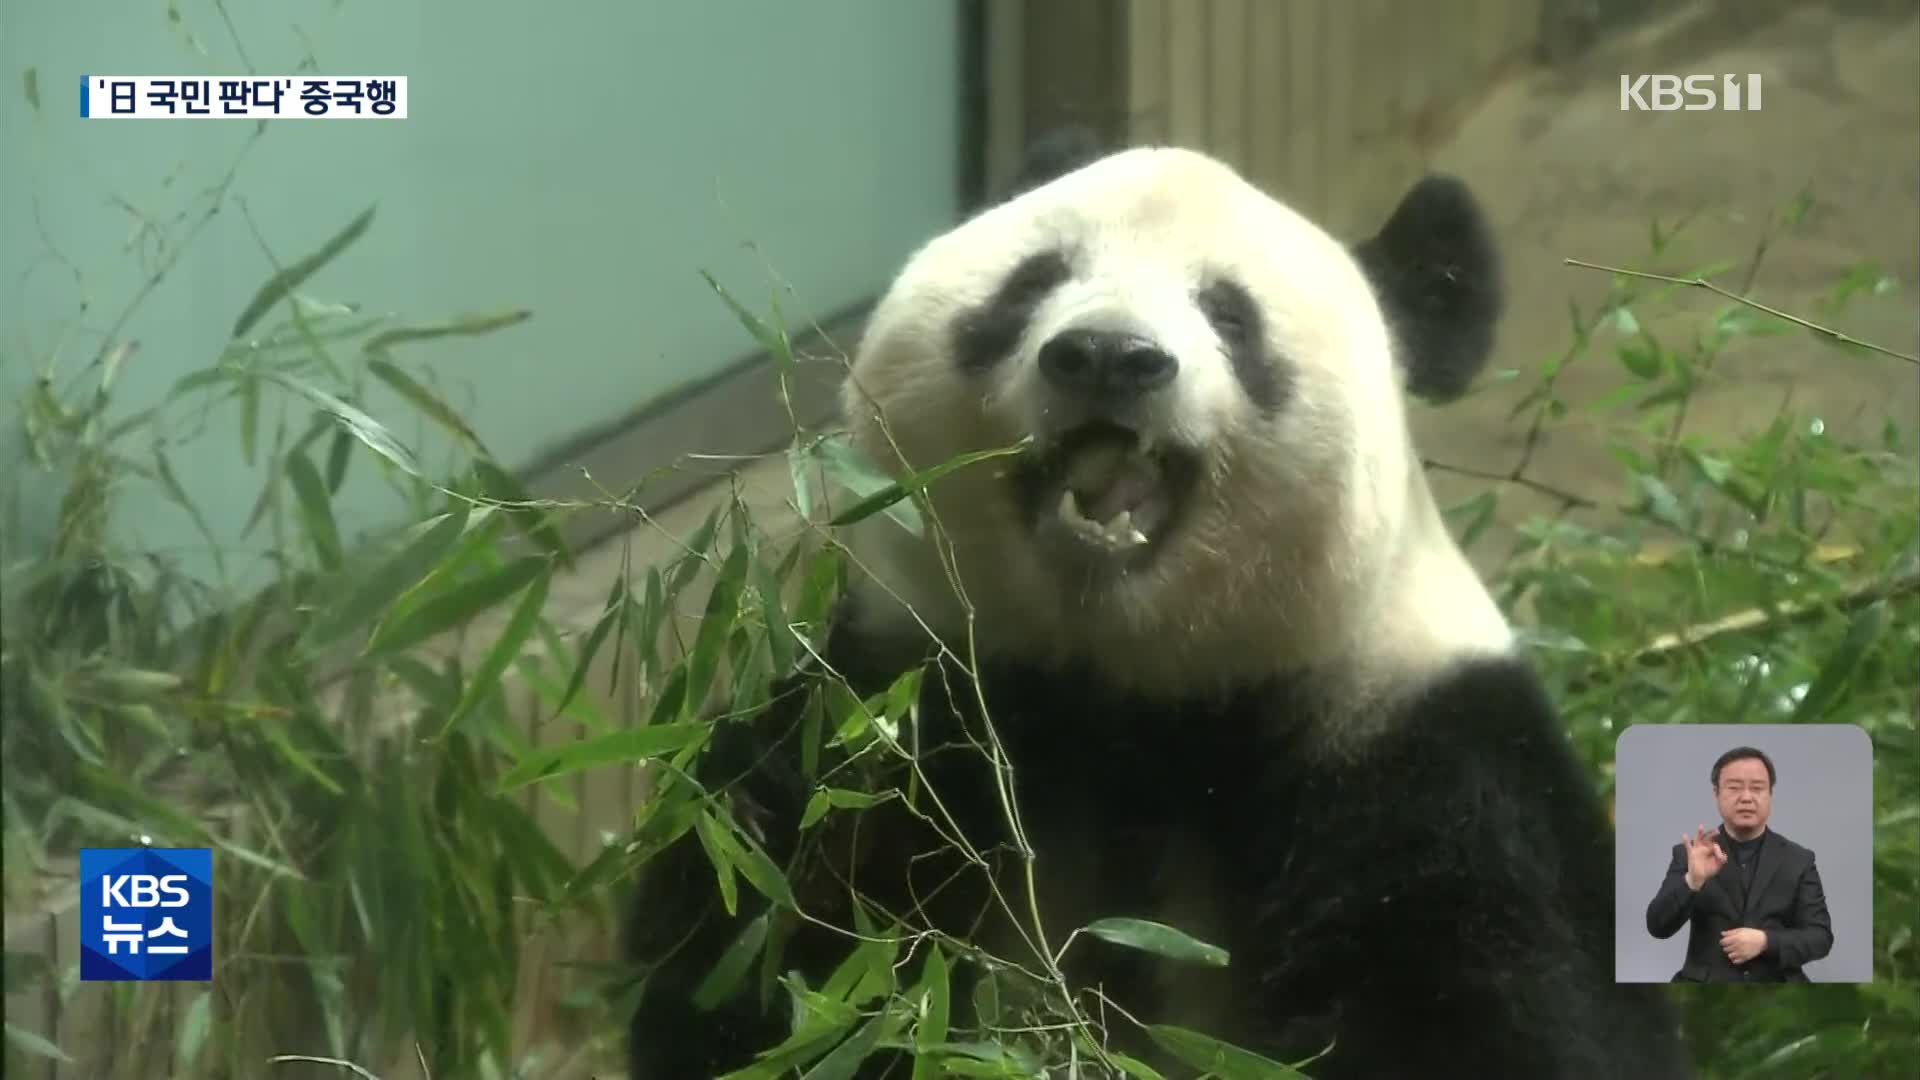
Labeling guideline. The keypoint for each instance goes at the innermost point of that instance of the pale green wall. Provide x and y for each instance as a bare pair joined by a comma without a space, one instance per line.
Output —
582,159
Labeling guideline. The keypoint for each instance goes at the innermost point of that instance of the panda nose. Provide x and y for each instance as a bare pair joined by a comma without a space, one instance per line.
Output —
1106,363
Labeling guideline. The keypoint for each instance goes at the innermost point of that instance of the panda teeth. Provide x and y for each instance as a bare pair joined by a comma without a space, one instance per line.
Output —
1121,530
1070,509
1117,533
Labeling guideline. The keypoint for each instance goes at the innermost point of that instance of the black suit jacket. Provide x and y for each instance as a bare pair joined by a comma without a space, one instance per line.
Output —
1786,901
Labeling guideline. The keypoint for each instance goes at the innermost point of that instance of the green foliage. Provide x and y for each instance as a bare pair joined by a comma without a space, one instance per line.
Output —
1763,577
1747,545
140,706
374,795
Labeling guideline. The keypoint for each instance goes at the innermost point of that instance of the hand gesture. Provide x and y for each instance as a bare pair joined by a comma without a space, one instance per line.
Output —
1705,857
1743,943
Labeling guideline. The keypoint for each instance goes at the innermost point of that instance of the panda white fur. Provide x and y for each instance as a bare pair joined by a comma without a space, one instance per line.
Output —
1265,699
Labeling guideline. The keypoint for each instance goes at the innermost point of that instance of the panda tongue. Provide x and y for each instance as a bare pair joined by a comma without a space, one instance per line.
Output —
1130,482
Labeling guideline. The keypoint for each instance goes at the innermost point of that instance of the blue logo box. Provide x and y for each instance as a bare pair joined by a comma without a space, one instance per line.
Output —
146,914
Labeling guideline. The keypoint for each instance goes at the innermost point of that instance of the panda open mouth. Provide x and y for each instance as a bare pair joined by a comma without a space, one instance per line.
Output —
1103,487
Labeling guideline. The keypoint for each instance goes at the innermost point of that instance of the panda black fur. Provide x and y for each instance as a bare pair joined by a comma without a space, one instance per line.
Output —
1277,710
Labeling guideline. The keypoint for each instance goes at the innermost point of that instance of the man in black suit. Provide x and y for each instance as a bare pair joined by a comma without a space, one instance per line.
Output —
1763,919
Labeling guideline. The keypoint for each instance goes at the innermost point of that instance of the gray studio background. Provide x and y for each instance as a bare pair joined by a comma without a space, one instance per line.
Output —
1823,800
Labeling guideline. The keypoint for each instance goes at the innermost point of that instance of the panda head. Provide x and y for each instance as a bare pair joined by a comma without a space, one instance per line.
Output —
1217,483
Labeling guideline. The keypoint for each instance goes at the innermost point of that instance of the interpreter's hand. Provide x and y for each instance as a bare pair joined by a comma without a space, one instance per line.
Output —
1705,857
1742,944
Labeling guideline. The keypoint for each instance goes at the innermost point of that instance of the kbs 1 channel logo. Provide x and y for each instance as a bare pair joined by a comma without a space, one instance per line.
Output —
146,914
259,97
1689,93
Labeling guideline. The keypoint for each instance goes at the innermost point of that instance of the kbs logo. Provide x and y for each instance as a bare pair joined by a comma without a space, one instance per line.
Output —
146,914
1693,93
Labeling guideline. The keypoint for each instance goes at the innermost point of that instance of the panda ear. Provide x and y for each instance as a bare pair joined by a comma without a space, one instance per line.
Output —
1054,155
1436,271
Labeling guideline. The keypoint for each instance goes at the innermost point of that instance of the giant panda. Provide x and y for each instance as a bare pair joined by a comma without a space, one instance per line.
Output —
1237,678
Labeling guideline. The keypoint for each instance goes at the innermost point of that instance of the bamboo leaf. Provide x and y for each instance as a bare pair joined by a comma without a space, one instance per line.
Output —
723,607
375,593
851,470
610,616
454,606
805,1044
624,747
937,1006
745,856
895,491
501,486
137,684
316,510
1474,515
1660,502
294,756
800,469
369,431
1137,1069
249,419
1218,1058
781,643
693,558
281,284
771,339
425,400
1863,632
35,1044
725,978
838,799
1157,938
463,326
486,677
765,876
339,452
846,1058
721,852
170,483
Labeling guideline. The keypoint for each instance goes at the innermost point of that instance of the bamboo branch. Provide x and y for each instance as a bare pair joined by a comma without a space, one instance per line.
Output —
1663,648
1857,596
1703,283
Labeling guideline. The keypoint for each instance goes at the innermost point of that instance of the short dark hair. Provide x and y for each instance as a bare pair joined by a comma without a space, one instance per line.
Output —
1739,753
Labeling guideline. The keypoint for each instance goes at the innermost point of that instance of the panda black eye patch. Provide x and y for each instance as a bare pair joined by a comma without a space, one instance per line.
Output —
986,335
1236,318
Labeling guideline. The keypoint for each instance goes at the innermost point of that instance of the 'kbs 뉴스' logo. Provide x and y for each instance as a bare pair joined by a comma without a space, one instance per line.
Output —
146,914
